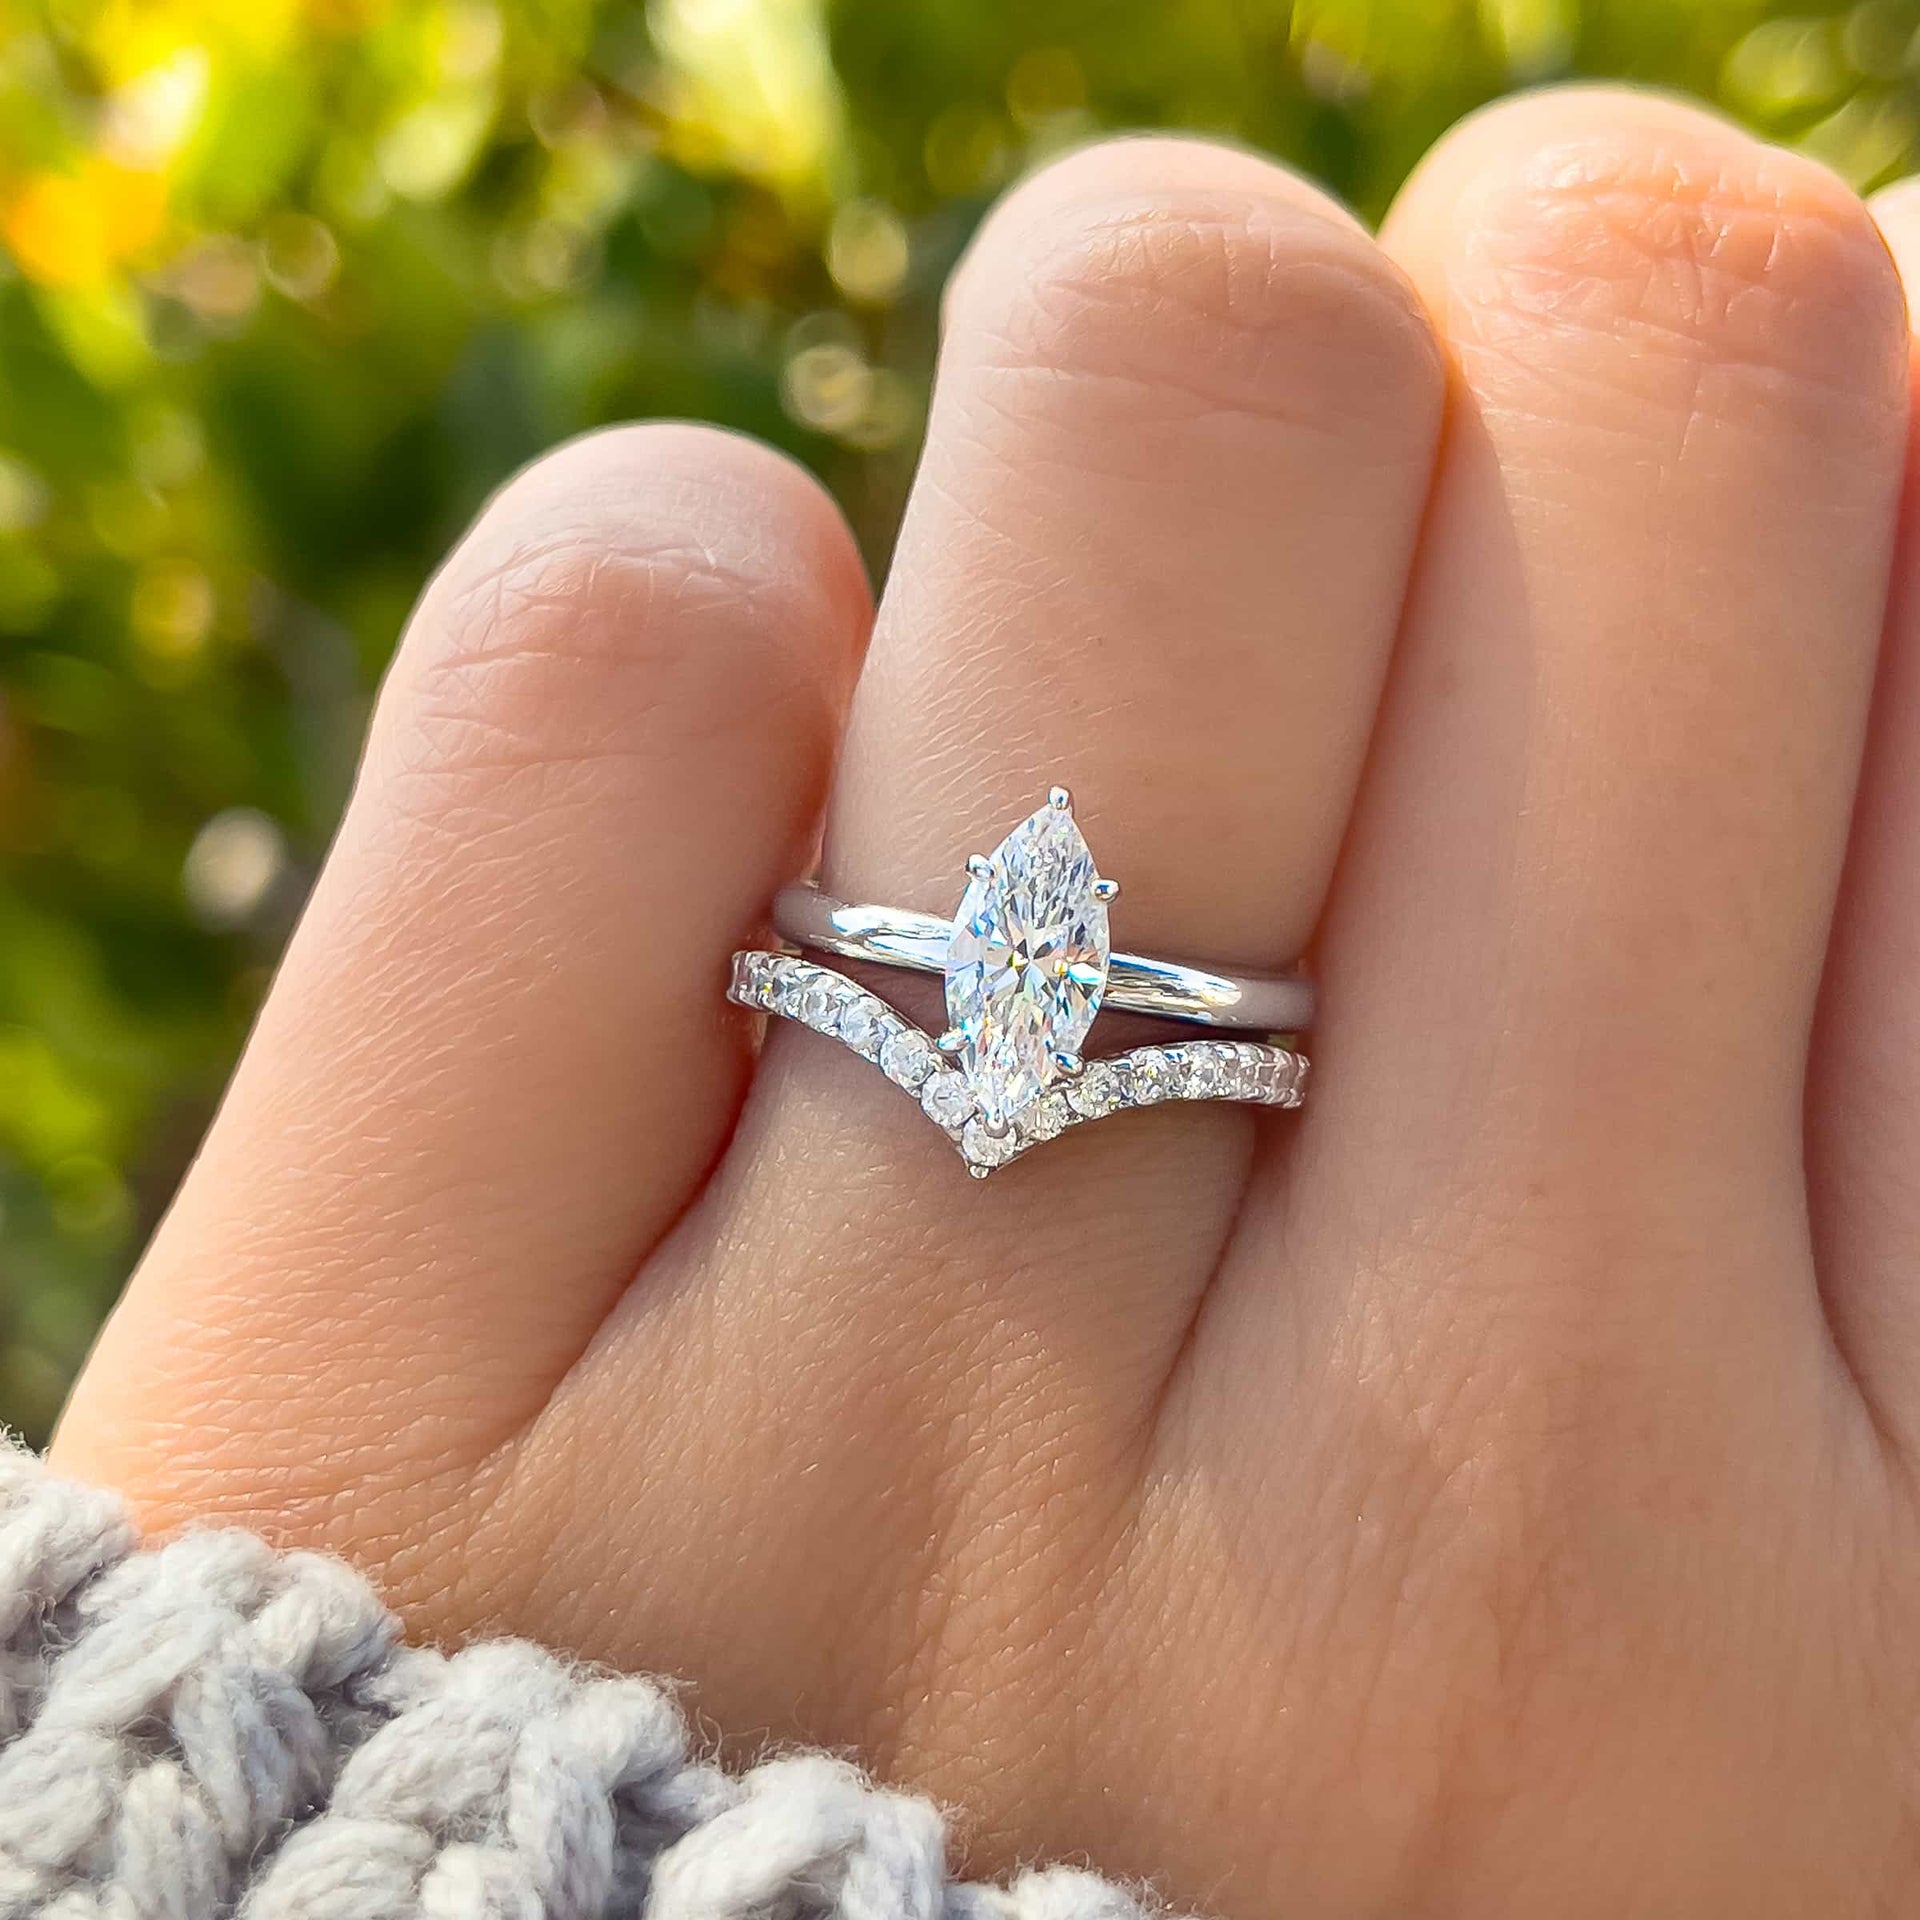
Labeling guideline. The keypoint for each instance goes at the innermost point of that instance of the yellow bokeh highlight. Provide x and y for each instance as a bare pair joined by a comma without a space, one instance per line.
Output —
172,610
1532,37
868,251
79,228
752,88
127,39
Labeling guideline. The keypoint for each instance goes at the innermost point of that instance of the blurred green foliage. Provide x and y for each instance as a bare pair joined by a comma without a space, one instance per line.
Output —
286,286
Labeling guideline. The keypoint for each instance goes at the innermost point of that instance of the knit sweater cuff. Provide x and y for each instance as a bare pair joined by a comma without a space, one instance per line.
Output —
210,1727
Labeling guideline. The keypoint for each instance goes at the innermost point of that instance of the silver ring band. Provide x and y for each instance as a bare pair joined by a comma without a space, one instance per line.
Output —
1166,989
1029,968
797,989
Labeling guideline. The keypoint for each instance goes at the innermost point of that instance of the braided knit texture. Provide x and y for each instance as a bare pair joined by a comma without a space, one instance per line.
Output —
211,1728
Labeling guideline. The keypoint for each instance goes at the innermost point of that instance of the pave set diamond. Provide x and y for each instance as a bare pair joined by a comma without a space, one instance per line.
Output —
815,996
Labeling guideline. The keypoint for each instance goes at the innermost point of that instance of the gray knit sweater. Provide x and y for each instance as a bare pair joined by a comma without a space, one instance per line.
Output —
211,1728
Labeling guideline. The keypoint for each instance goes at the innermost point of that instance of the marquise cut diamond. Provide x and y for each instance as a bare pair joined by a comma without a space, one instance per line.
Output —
1027,962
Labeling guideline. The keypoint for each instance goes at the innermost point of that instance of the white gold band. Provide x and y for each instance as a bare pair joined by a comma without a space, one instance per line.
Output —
801,990
1167,989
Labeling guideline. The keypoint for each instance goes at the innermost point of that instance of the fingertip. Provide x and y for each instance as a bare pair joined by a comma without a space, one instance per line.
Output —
683,494
1896,211
1610,213
1506,136
1206,180
660,575
1154,263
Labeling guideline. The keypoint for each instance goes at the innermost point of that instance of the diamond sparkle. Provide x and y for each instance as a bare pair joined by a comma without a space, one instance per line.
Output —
947,1100
785,984
1027,961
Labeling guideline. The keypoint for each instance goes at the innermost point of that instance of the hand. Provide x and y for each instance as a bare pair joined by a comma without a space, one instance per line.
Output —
1491,1492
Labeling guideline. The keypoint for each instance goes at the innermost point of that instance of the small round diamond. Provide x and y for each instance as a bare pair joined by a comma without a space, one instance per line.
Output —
817,1006
859,1024
1096,1092
1205,1076
1149,1077
1229,1071
907,1059
984,1149
1289,1078
1046,1119
947,1100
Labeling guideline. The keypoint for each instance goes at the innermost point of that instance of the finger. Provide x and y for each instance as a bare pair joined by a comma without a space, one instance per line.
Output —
1156,549
1175,469
494,1067
1864,1108
1155,553
1573,966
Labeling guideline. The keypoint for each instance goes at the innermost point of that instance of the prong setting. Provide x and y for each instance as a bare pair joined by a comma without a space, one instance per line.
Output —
1026,959
796,988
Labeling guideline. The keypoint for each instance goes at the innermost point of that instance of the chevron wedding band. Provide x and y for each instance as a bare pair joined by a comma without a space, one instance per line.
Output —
1028,967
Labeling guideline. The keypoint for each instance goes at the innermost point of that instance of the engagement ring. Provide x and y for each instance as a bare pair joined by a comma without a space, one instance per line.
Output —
1028,966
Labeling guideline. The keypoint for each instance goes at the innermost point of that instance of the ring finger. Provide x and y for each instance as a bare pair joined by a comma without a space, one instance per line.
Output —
1178,455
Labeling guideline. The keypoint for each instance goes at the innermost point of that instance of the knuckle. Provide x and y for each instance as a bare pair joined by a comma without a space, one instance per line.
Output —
1683,241
634,574
1258,302
676,518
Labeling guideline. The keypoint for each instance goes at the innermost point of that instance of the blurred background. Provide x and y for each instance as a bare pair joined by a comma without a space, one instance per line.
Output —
287,286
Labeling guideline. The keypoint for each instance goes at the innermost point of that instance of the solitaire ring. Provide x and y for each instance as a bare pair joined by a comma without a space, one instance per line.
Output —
1167,989
1028,967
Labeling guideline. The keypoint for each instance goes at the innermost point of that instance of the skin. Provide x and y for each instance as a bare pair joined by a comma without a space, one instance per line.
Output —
1490,1492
